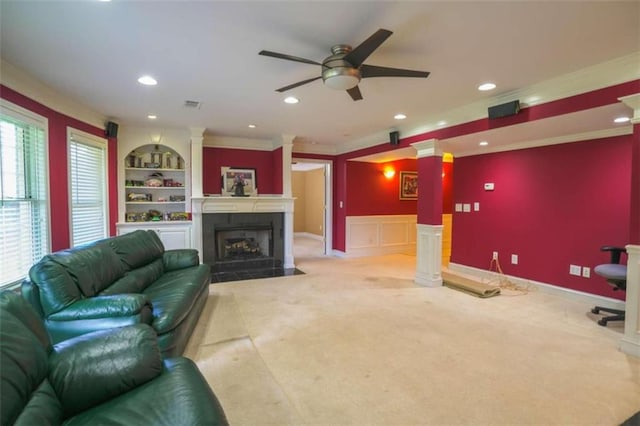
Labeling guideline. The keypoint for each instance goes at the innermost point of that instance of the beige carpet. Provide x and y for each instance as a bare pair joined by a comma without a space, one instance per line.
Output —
355,341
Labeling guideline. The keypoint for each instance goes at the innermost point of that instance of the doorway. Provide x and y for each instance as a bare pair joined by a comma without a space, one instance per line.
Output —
311,188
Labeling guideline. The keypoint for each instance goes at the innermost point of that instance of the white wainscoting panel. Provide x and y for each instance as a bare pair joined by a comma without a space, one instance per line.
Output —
381,234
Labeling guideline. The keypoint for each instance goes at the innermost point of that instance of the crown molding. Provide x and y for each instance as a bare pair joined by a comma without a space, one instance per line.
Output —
238,143
578,137
23,83
606,74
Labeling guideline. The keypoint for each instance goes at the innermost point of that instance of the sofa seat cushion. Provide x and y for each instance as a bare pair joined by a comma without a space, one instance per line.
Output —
174,295
179,396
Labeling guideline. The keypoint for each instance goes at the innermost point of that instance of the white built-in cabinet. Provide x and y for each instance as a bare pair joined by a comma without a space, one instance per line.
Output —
153,188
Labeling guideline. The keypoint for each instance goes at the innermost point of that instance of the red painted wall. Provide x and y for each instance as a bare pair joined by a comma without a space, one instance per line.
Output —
371,193
430,186
58,179
268,169
552,206
634,225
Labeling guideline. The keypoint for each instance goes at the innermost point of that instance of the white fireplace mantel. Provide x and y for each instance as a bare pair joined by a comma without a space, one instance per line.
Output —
259,204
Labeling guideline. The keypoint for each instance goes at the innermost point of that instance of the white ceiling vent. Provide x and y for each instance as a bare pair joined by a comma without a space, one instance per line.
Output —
192,104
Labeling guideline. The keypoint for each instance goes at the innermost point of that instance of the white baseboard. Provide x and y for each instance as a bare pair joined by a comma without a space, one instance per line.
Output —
308,235
568,293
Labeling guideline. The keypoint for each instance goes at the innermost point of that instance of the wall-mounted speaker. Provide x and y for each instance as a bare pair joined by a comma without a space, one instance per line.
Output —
112,130
394,138
504,110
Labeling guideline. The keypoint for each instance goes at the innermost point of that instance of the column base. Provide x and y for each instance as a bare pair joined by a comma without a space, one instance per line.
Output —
429,255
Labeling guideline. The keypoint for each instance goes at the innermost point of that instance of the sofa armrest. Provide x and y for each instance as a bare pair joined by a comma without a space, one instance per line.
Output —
180,259
118,305
90,369
99,313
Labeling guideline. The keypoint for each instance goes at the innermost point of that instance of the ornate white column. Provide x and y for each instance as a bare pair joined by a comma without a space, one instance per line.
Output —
429,227
197,135
287,154
630,342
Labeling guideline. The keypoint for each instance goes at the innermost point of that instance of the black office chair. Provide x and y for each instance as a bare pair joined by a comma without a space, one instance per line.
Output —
616,276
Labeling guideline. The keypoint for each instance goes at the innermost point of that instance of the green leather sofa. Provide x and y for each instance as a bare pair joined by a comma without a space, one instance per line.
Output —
115,377
119,281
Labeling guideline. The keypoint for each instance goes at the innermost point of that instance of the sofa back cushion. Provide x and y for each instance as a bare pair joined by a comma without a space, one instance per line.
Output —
137,280
56,287
137,248
24,356
92,267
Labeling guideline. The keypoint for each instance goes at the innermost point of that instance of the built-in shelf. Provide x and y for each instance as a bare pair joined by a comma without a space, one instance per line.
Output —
155,187
155,202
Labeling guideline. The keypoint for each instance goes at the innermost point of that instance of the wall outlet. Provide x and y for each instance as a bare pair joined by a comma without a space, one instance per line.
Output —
514,259
575,270
476,206
495,255
586,272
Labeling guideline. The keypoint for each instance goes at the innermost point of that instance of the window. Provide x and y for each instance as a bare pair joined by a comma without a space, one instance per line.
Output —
87,187
24,213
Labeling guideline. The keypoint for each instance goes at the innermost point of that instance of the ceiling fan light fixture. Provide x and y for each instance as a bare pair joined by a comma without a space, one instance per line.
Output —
341,78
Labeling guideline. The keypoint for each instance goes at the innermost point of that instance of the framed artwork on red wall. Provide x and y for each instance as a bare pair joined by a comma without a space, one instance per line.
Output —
408,185
239,182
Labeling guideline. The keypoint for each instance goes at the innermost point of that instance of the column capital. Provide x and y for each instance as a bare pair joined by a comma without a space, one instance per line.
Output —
633,102
428,148
197,133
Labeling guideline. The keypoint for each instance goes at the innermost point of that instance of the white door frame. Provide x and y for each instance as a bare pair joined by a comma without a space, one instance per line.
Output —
328,201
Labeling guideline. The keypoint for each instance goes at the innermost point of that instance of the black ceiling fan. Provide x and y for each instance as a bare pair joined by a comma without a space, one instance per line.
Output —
344,69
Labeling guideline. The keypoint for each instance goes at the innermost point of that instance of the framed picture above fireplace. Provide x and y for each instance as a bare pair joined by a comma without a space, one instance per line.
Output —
239,182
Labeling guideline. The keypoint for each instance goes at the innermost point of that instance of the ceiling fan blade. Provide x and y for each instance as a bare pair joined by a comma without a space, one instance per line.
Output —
287,57
300,83
355,93
358,55
367,71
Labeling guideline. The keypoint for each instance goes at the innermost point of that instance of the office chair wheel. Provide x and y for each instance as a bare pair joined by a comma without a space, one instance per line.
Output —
595,311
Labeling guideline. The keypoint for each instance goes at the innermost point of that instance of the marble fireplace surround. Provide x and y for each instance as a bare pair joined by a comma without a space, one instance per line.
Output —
259,204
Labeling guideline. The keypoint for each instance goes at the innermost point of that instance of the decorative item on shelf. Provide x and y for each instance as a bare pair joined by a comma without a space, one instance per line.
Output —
179,163
151,165
156,157
137,183
131,159
162,199
154,180
178,216
155,215
134,196
168,157
136,217
139,158
176,198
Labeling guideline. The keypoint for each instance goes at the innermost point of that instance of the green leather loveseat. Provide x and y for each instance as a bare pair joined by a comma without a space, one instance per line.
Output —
119,281
115,377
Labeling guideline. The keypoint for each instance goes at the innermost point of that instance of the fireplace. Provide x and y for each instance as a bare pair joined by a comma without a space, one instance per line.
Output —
233,242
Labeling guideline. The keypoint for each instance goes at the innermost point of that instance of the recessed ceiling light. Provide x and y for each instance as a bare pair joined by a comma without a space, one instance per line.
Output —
252,126
147,80
291,100
483,143
441,123
152,116
486,86
621,120
400,116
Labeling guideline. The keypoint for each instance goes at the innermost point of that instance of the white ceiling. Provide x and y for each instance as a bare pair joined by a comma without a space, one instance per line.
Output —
207,51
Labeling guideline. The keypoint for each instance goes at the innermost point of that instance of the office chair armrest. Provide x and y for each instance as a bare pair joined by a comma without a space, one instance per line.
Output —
615,252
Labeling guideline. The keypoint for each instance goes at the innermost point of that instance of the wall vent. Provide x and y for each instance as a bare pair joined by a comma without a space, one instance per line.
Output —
192,104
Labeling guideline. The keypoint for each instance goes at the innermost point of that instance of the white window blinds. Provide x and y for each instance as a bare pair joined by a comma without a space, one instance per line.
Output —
87,187
24,217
